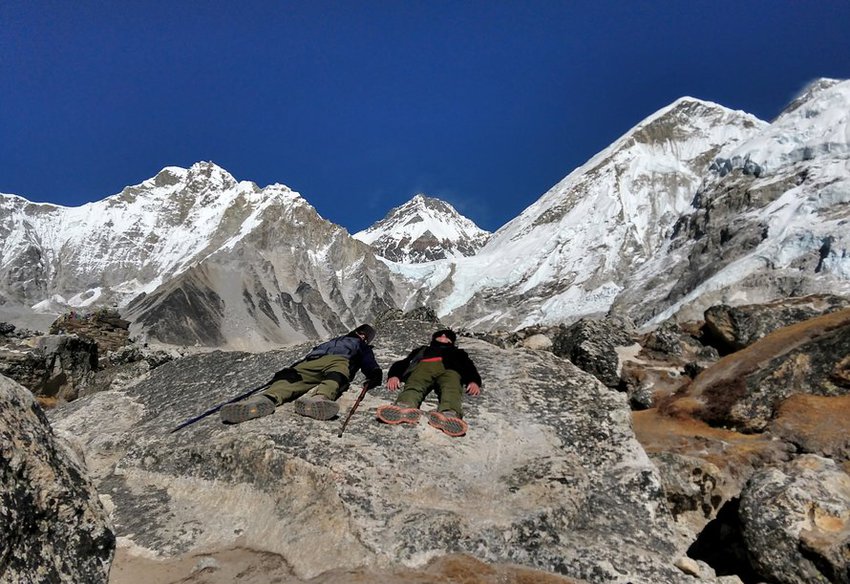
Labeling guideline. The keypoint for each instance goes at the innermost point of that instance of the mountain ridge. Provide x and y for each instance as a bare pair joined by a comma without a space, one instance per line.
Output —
424,229
616,234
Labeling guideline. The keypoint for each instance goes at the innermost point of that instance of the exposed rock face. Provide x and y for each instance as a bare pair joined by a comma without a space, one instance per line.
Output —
549,476
591,345
796,522
246,566
53,524
768,221
744,389
423,230
815,425
732,328
61,367
663,361
105,327
210,260
703,468
51,366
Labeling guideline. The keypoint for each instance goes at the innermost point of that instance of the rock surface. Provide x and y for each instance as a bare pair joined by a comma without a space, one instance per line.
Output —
60,367
796,522
555,474
745,389
591,345
54,527
55,367
733,328
550,475
105,327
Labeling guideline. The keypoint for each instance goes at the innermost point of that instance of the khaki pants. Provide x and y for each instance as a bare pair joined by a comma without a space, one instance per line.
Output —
431,375
328,374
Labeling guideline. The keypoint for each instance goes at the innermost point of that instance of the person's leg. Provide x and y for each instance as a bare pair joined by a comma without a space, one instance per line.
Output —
334,372
419,384
449,412
450,393
297,381
330,374
405,410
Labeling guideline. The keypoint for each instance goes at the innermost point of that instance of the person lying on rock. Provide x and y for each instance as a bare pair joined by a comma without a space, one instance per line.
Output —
441,367
328,368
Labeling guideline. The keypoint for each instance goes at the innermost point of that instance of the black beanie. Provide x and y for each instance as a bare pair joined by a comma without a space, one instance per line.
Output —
367,330
448,332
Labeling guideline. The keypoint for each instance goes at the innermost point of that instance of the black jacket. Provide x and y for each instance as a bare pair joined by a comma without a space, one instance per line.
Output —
453,358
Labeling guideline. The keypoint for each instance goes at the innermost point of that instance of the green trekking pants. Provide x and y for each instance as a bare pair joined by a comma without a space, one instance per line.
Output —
328,374
428,375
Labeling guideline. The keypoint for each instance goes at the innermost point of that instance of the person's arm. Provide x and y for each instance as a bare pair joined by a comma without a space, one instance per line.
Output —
470,376
397,369
370,367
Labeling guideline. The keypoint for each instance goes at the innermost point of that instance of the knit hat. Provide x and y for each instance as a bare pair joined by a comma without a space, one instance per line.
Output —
450,334
367,330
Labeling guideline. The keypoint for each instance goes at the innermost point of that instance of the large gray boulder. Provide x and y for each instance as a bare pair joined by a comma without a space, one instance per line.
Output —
731,328
550,475
744,390
591,345
54,528
55,367
796,522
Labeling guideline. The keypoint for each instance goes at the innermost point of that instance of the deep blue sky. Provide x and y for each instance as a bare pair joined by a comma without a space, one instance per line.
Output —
360,105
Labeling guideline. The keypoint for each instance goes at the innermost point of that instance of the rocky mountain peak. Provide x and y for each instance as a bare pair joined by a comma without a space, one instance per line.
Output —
168,176
210,176
766,219
554,264
809,92
424,229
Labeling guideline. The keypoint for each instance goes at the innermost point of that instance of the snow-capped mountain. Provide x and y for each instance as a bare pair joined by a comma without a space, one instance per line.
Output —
422,230
218,262
569,253
769,220
696,205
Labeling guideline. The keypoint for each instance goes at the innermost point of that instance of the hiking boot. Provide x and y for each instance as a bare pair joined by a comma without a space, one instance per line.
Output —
318,407
448,423
397,414
255,406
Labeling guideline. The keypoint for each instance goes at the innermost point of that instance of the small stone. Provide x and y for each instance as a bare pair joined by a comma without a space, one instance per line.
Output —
688,566
206,563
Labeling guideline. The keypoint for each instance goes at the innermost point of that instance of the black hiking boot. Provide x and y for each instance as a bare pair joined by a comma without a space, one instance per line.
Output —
255,406
317,407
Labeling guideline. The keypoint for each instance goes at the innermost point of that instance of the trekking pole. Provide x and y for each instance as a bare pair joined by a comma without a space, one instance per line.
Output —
353,408
213,410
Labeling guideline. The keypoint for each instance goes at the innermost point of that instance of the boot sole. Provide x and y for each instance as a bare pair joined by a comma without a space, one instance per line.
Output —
453,427
318,410
242,412
393,414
